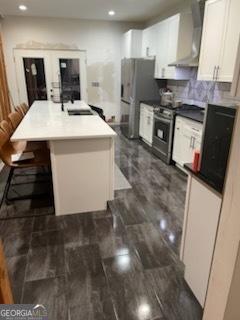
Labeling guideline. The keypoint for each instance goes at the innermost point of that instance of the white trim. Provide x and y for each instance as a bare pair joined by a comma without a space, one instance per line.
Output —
51,66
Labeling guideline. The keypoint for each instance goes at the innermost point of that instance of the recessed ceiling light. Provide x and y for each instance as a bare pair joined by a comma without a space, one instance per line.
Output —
111,13
22,7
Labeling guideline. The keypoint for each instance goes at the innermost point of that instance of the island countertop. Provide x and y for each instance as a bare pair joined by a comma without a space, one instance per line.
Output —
45,121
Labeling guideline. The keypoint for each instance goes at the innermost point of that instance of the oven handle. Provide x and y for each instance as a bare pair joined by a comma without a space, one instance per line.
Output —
162,119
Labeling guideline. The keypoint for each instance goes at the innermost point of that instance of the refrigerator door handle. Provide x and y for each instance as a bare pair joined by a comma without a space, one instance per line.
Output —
122,91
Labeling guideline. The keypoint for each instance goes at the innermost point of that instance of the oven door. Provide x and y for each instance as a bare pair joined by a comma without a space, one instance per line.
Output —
162,138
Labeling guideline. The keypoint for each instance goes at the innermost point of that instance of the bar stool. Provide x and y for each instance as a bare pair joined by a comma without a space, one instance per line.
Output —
22,145
41,158
22,109
15,118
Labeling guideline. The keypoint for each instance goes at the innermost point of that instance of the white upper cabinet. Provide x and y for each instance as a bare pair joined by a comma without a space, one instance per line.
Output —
132,44
149,41
174,40
230,42
211,39
161,50
220,38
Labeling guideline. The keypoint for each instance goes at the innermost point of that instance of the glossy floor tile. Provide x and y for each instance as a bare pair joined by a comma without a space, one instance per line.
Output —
118,264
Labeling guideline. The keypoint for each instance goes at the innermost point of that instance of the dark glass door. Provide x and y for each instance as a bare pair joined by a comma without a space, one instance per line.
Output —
162,138
162,130
216,144
35,79
70,78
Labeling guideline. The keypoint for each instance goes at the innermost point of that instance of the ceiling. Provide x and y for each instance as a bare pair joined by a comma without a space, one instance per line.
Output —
126,10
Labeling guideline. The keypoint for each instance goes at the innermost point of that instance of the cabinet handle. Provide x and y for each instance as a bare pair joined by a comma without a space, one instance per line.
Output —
194,140
214,71
195,129
191,142
149,120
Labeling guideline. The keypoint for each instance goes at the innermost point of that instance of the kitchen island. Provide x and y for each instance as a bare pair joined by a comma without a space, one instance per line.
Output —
82,154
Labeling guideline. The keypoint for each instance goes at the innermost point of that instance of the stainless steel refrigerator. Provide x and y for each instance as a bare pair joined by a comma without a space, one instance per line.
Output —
137,84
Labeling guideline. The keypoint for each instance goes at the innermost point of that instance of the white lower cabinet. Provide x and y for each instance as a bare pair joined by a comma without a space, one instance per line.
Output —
202,213
146,123
187,139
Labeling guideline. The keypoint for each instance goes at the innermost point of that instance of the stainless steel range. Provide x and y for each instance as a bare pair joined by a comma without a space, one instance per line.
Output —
163,133
164,122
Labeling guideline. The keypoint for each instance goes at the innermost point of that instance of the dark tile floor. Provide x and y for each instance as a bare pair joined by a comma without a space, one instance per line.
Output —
121,264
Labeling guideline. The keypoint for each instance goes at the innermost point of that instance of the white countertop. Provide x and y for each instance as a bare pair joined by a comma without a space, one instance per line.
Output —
46,121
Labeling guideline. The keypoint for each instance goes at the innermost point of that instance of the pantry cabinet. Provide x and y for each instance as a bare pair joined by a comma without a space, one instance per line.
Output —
174,39
146,123
220,37
201,219
187,139
132,44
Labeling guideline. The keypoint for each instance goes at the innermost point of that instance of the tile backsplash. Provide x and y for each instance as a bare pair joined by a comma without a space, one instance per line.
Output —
201,92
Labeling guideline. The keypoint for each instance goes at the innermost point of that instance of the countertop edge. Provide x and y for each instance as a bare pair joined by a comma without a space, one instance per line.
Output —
190,118
61,138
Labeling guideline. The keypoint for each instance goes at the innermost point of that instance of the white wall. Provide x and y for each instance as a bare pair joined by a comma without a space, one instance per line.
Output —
185,5
101,39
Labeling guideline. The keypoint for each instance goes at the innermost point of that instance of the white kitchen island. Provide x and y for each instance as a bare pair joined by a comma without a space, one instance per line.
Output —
82,155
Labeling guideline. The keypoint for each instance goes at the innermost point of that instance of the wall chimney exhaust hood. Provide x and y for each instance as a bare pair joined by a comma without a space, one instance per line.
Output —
192,59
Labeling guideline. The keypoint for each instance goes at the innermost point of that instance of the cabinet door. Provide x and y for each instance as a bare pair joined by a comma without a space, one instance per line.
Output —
149,126
149,41
203,210
212,38
162,49
132,44
178,140
141,124
172,45
126,45
230,42
187,144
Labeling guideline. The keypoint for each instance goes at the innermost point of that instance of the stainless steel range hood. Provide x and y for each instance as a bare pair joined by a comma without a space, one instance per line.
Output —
193,58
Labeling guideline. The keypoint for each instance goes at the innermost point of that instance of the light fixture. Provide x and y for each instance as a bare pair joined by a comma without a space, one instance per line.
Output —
22,7
111,13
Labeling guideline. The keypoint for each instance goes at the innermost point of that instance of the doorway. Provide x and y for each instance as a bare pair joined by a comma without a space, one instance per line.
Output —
35,79
70,77
43,74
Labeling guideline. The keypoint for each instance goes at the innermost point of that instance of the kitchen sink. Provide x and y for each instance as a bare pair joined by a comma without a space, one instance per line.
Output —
77,112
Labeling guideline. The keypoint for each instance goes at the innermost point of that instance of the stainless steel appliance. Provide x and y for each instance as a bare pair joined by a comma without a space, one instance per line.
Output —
137,84
164,122
218,129
167,99
163,133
